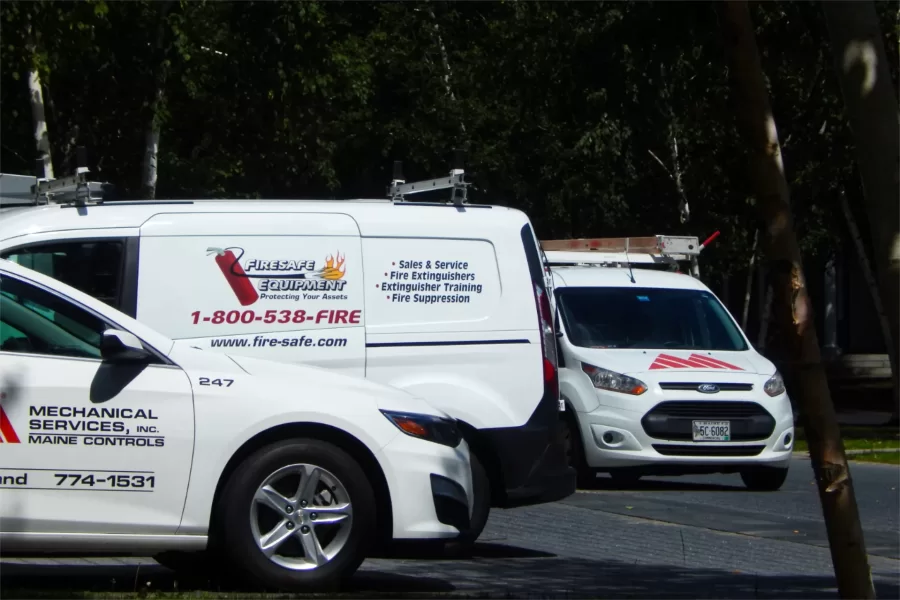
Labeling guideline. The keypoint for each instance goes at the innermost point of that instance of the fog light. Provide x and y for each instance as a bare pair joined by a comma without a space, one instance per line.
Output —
608,437
788,438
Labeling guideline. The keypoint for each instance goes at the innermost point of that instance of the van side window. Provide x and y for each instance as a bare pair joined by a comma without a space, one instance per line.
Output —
34,321
90,266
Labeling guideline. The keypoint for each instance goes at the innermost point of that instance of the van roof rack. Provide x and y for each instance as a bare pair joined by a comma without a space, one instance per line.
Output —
23,190
400,188
648,251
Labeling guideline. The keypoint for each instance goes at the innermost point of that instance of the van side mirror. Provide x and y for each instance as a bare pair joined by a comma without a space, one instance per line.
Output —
120,346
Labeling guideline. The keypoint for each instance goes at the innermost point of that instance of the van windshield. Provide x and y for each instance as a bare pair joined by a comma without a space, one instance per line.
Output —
620,317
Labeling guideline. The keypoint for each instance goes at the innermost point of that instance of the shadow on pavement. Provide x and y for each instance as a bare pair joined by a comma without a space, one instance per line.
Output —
527,577
656,484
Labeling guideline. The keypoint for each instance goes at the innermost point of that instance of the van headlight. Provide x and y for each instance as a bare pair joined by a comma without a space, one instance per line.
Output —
775,385
605,379
426,427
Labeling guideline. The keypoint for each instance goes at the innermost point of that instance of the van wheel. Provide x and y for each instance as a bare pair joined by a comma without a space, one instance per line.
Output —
298,515
764,479
585,476
481,502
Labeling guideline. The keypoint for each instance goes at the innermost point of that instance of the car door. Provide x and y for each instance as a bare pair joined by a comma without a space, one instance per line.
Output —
88,445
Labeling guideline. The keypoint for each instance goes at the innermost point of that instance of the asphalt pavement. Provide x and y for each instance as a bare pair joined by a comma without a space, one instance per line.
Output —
696,537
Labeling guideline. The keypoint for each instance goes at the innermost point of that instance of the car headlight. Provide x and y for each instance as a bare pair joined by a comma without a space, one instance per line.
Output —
605,379
427,427
775,385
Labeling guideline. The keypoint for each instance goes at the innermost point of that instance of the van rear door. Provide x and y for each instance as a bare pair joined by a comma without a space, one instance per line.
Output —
286,286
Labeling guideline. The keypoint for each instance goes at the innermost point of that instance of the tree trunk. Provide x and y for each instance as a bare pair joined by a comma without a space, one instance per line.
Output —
871,106
151,139
867,273
749,287
38,112
791,304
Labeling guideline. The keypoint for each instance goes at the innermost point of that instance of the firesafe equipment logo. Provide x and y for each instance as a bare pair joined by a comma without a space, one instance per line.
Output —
281,275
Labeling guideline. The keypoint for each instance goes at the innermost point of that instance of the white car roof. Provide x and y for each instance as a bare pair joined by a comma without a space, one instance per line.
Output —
151,336
618,277
374,217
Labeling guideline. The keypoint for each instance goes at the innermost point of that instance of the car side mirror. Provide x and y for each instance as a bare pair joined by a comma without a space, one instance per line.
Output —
120,346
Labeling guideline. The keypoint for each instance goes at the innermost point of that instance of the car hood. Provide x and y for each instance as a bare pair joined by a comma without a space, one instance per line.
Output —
675,362
384,396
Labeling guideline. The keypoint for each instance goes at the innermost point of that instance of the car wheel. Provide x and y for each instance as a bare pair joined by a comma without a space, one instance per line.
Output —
764,479
585,476
298,515
481,502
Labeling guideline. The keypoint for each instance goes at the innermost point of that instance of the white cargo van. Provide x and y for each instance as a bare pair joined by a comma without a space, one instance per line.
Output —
656,375
446,301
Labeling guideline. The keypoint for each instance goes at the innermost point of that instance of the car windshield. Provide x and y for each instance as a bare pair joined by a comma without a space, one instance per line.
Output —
655,318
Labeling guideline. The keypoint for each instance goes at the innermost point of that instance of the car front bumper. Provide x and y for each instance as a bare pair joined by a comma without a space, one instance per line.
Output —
430,486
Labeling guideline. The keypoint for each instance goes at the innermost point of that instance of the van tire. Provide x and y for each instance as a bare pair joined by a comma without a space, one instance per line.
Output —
481,502
585,476
764,479
282,460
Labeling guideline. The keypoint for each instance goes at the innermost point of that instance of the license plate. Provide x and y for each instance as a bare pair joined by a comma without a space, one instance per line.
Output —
712,431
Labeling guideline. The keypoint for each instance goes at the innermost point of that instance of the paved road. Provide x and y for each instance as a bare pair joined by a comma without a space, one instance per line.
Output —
698,537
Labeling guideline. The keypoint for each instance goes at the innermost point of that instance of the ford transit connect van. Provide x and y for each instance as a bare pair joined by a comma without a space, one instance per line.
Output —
657,376
446,301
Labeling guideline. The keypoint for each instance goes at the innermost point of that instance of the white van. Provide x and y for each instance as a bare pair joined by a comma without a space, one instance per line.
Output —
656,375
446,301
116,439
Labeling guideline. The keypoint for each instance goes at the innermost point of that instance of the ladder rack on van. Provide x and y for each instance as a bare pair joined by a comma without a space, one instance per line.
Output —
664,250
16,190
399,187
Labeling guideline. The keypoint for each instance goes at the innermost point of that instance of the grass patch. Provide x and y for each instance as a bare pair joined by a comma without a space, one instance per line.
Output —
887,458
858,438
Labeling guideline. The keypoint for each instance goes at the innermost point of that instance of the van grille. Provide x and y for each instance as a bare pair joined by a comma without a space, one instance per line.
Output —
673,420
676,450
723,387
700,409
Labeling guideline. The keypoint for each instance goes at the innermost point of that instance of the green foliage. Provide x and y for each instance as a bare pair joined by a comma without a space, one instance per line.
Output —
561,105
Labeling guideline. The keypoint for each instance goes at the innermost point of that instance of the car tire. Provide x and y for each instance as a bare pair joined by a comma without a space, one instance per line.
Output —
481,502
764,479
586,477
250,515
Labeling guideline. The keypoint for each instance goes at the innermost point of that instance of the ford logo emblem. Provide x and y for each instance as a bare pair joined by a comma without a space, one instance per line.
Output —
708,388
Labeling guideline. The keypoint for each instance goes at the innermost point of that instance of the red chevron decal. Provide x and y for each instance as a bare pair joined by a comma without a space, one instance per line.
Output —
6,429
694,361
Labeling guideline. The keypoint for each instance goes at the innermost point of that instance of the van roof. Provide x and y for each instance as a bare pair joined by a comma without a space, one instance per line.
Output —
618,277
372,214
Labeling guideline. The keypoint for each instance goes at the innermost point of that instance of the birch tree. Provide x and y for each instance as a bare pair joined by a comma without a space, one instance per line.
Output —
36,96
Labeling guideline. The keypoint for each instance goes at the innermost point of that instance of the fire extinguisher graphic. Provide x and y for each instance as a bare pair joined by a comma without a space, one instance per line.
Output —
235,275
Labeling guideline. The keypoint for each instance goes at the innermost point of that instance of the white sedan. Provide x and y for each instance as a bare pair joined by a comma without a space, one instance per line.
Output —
114,440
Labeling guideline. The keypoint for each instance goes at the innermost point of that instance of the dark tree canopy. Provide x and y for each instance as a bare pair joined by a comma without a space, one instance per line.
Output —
566,109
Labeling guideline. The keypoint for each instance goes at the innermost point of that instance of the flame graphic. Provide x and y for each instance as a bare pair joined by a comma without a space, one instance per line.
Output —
334,267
